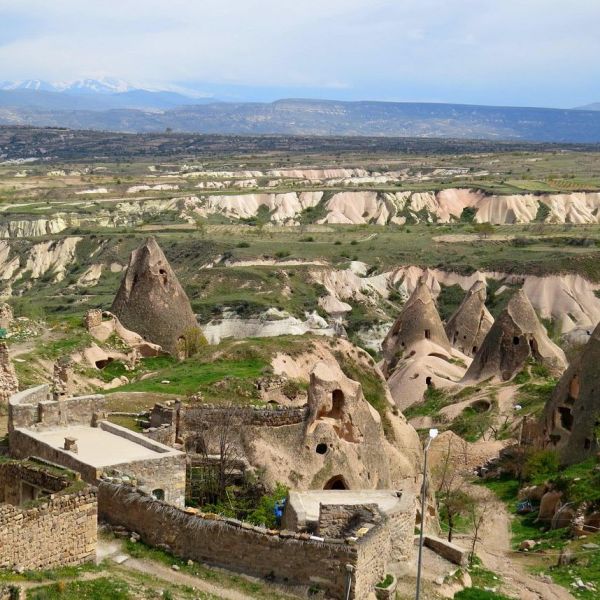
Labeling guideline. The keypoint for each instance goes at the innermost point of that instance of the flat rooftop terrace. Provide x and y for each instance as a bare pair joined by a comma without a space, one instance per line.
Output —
99,448
306,504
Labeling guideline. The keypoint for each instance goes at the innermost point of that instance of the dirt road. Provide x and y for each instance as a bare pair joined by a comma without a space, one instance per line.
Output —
494,551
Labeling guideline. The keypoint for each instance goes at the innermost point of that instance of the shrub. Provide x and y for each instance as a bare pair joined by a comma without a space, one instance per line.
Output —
541,465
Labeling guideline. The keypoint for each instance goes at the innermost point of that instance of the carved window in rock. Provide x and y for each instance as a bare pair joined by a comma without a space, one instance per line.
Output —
158,494
163,276
566,417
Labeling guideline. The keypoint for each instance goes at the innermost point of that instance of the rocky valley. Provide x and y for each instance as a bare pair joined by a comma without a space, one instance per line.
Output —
236,364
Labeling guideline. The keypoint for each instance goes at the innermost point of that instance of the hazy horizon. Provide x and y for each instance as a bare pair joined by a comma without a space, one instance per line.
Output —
466,52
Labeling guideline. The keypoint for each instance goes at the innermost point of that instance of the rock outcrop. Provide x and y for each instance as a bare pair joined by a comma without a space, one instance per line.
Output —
515,337
9,383
151,301
468,326
382,208
340,445
101,325
6,315
417,353
418,325
571,420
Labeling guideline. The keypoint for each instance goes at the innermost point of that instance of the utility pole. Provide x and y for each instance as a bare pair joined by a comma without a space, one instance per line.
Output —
432,435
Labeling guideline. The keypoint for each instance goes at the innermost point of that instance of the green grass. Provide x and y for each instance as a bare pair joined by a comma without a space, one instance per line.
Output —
471,424
434,400
96,589
222,373
191,376
49,574
586,567
256,589
478,594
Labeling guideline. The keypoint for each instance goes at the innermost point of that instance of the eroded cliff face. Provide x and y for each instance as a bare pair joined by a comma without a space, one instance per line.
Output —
383,208
342,443
571,420
342,207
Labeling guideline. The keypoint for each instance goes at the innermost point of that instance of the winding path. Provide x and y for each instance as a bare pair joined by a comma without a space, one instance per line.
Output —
494,551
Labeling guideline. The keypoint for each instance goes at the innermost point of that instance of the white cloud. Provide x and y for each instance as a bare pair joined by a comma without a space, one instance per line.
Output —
380,45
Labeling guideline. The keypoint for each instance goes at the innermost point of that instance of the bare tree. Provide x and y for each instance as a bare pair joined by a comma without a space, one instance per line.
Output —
478,512
222,446
453,501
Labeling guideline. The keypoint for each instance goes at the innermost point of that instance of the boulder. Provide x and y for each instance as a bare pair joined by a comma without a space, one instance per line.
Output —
548,506
151,301
527,545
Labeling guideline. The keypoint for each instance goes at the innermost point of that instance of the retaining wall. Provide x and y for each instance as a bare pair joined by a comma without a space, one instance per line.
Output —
288,557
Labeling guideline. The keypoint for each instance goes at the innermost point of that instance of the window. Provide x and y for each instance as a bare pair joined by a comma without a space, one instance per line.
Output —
158,494
321,448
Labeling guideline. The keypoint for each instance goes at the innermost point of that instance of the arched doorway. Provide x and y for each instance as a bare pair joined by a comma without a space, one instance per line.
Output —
336,483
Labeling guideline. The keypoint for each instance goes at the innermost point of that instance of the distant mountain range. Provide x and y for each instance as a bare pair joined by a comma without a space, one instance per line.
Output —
592,106
113,105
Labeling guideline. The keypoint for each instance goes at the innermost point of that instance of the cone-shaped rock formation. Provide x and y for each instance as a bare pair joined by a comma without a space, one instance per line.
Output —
151,301
468,326
516,336
419,321
571,421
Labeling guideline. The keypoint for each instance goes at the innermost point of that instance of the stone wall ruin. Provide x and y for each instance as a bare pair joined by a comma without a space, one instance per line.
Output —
46,521
286,557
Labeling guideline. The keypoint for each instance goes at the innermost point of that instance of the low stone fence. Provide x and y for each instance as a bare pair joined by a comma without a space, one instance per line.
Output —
35,408
195,416
295,559
447,550
165,434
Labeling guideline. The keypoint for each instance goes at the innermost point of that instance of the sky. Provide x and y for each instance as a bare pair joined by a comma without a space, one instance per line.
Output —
497,52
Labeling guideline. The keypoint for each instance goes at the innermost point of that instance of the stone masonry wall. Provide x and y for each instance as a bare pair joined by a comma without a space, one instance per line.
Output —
195,417
289,557
24,446
341,520
93,318
165,473
401,527
8,377
165,434
48,533
12,473
374,551
34,408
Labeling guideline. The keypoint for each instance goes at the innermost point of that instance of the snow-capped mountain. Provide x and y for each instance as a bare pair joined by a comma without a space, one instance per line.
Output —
105,85
27,84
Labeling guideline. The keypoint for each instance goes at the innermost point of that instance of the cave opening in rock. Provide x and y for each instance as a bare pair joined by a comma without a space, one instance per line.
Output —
566,417
321,448
336,483
100,364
